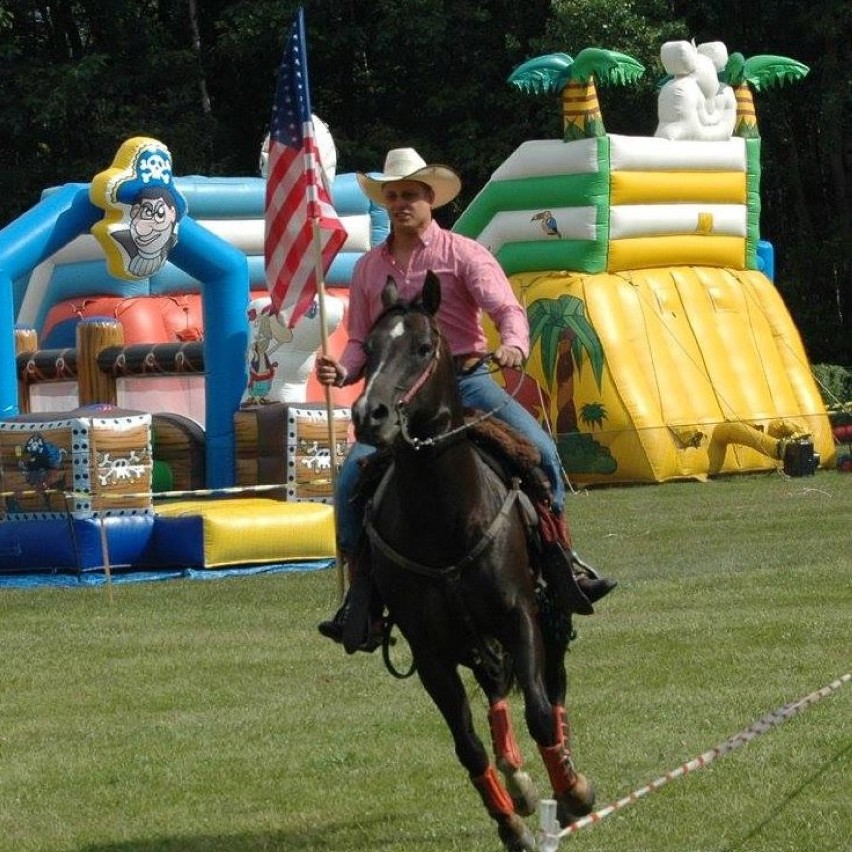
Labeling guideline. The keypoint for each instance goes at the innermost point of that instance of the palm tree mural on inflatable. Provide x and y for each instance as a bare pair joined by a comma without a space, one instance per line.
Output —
574,79
567,341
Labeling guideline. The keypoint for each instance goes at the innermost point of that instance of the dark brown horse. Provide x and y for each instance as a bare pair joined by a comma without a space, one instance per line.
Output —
449,554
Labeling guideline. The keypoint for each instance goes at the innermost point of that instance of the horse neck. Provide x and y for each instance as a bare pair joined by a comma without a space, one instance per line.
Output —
444,476
440,483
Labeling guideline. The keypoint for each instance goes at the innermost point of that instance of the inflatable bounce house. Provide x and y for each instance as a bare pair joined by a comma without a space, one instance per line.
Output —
145,363
661,348
155,413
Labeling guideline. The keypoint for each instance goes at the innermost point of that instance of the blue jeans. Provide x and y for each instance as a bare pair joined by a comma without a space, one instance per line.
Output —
478,390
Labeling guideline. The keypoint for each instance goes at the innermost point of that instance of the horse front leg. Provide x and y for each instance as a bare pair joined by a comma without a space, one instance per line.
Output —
507,752
509,761
547,721
574,793
446,689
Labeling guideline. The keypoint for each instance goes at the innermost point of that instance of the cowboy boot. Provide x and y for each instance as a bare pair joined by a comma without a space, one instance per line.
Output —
358,624
559,574
351,630
593,586
333,627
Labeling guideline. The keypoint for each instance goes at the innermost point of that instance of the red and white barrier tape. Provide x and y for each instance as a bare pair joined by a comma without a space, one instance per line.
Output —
551,833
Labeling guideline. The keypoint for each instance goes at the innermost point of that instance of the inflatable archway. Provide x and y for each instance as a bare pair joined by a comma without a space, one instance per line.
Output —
68,214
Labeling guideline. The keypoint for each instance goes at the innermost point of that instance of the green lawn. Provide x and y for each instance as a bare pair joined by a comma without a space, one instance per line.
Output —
211,717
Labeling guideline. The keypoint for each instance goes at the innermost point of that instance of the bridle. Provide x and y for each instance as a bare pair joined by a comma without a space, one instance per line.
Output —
420,443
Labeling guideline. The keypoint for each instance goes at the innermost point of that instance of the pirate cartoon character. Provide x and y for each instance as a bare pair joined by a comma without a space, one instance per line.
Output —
143,209
152,231
43,466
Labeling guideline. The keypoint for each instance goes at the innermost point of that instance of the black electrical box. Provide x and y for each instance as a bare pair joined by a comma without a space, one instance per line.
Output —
800,458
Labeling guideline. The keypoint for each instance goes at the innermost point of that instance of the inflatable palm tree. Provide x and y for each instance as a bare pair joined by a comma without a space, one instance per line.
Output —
575,79
758,72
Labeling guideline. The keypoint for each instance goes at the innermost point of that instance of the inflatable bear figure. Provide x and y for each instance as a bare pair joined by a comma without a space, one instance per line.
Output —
694,104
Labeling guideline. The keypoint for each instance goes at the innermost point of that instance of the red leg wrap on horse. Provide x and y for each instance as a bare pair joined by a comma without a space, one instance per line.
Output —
557,758
560,769
494,796
502,735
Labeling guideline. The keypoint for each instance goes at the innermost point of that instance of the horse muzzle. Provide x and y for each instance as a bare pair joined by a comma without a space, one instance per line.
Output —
375,423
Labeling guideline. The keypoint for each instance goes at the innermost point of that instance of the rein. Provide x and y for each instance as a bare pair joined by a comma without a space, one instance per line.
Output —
420,443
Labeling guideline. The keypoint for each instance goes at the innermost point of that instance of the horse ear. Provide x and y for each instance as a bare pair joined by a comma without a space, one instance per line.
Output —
390,295
431,293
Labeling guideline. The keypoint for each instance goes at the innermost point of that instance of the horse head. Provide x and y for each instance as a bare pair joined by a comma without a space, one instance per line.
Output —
409,388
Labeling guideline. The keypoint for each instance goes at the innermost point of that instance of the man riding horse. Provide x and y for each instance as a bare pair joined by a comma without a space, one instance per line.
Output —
472,283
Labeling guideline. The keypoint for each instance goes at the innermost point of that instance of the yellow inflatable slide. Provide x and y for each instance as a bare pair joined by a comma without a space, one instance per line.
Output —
668,373
661,349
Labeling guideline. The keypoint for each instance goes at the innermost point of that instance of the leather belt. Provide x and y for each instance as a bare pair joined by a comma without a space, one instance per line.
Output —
465,362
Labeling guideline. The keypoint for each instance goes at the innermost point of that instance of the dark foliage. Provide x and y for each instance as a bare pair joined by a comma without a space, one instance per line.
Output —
81,76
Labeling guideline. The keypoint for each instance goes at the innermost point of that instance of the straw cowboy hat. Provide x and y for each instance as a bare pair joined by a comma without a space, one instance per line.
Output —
407,164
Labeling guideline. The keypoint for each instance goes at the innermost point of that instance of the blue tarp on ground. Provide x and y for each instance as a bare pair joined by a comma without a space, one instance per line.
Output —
59,579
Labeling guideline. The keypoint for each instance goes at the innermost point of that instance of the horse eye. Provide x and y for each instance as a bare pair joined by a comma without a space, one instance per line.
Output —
425,349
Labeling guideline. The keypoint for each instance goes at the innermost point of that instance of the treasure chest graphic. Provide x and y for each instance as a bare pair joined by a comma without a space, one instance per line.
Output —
288,444
84,463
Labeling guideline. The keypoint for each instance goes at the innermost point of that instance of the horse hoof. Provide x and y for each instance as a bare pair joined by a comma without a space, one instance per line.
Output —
521,789
515,835
576,802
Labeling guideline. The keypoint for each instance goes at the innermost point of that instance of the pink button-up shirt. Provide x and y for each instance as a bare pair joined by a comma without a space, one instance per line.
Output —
472,283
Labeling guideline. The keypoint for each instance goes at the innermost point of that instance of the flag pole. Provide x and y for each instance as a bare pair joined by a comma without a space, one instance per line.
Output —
329,404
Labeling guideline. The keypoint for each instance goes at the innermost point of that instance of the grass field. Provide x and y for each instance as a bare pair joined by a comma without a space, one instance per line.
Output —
190,716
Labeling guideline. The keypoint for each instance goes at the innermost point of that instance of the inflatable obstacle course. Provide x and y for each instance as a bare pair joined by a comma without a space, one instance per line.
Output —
183,318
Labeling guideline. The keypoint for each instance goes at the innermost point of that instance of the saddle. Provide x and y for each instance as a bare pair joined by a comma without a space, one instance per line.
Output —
508,453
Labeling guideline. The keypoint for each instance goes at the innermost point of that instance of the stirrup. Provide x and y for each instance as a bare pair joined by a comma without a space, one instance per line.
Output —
582,567
589,581
335,629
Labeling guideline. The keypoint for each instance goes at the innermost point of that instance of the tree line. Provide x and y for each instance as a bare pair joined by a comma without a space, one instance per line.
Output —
81,76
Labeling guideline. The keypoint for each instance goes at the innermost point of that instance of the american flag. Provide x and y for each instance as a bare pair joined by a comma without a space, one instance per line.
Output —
296,196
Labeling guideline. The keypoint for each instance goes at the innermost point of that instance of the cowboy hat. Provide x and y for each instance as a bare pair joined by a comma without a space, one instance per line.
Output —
407,164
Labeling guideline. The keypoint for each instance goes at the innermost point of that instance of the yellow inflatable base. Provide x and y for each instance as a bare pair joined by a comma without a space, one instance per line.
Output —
255,531
670,373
